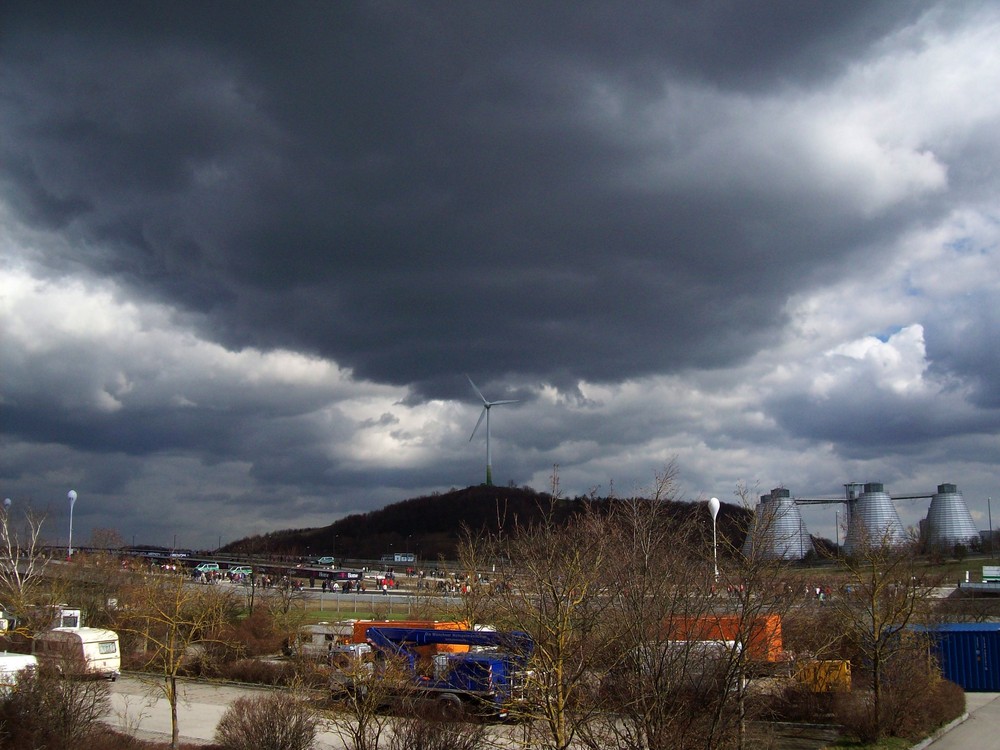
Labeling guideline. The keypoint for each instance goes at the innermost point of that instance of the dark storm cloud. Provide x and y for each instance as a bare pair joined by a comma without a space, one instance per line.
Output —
955,343
251,250
417,190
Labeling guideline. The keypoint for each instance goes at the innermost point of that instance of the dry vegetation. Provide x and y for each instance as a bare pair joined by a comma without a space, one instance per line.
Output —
608,593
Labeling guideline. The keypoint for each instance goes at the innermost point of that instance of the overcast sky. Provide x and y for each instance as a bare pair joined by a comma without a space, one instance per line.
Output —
250,252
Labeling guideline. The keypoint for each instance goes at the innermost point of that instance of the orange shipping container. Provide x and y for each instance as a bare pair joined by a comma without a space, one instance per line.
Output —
361,628
762,641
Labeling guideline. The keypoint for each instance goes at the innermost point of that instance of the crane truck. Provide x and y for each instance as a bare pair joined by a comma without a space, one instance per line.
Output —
487,679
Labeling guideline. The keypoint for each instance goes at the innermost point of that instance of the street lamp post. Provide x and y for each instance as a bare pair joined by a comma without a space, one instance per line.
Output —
72,501
713,508
989,511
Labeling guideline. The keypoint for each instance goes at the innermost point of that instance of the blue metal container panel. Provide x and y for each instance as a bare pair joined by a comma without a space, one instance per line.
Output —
969,654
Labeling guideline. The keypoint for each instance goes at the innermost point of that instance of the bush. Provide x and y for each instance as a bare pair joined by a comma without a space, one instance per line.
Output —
916,700
942,701
418,732
798,703
257,633
47,712
257,672
272,721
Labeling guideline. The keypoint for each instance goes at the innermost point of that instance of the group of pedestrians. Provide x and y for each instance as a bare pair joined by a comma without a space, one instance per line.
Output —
346,586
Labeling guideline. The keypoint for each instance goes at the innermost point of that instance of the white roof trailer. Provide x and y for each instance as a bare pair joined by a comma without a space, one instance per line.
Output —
92,650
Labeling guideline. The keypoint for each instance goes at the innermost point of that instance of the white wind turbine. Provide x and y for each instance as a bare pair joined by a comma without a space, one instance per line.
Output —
486,413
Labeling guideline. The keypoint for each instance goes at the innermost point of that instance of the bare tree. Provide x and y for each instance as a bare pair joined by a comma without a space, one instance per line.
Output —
106,538
364,689
657,691
287,607
22,564
168,616
96,581
756,582
554,577
887,592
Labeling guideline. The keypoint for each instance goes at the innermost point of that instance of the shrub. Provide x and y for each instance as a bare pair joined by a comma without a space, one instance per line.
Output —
915,701
798,703
256,671
46,711
941,701
418,732
272,721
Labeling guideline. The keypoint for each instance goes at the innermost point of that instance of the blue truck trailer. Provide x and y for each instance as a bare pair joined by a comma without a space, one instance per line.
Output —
489,679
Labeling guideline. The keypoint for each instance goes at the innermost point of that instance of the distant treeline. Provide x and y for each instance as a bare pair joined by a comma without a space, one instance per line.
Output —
432,526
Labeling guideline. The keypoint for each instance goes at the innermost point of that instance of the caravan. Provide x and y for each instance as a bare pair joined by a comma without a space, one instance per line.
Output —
93,651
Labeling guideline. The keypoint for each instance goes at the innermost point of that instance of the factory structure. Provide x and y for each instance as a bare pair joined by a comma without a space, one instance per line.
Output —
778,531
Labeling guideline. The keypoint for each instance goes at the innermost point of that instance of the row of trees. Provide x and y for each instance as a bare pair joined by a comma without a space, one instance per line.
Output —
612,595
617,597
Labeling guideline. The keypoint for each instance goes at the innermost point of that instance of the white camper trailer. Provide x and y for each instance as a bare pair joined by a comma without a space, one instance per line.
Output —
319,640
93,651
11,666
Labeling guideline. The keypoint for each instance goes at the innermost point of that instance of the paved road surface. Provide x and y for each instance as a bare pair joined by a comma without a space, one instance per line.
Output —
981,731
139,708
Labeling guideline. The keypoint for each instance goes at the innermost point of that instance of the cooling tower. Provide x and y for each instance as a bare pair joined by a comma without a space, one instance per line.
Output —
873,519
778,531
948,519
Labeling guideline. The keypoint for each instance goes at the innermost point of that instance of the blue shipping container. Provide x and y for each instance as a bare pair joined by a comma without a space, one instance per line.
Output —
969,653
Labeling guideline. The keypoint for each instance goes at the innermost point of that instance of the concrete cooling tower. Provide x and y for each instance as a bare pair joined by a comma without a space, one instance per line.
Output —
948,519
778,531
872,518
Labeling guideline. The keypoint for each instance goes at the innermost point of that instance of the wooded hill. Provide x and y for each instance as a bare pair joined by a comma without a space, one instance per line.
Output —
432,526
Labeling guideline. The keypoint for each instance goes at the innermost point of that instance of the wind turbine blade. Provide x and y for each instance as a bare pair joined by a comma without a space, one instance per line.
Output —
478,392
481,415
509,401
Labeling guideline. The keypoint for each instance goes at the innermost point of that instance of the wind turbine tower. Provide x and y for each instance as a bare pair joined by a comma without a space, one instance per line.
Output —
487,405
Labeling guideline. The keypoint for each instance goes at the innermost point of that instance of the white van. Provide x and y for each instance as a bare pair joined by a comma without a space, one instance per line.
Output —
11,666
94,650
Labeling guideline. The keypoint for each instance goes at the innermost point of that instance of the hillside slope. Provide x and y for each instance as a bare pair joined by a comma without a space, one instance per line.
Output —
432,526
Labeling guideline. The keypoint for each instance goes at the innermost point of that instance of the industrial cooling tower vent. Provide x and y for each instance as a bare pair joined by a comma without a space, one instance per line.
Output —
949,522
777,530
873,520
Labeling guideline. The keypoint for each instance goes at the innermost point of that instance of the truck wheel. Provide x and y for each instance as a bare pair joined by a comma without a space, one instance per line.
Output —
450,707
